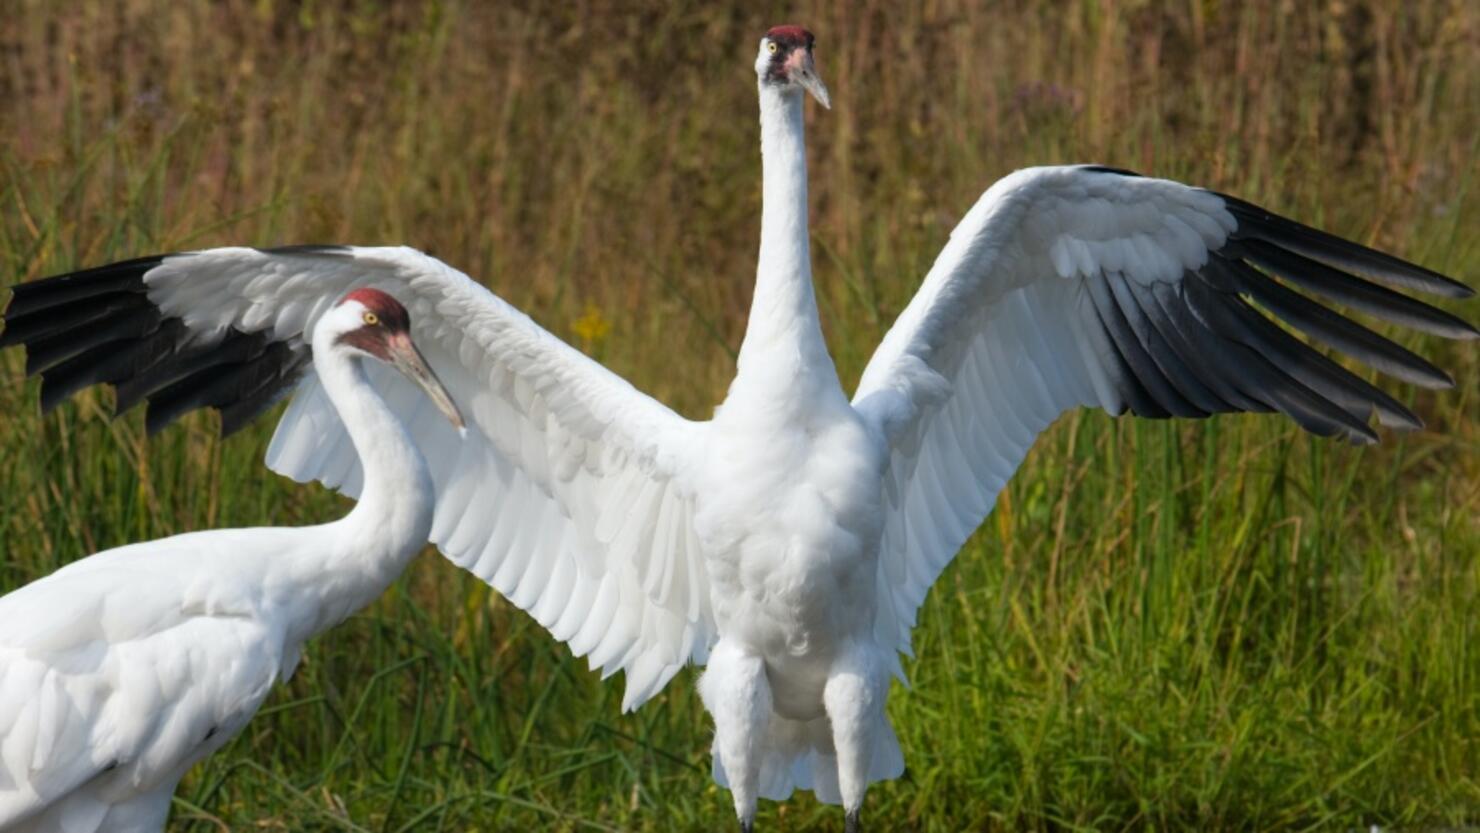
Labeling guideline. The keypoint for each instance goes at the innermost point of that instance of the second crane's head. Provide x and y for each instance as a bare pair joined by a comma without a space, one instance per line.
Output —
785,62
370,323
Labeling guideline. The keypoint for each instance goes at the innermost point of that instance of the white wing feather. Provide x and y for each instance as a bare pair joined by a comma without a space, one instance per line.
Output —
569,493
1080,285
990,352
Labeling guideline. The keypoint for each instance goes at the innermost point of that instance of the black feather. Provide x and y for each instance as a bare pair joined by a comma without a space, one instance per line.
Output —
1106,169
1328,327
1230,359
1260,378
235,348
1363,295
1257,223
1142,318
1306,365
1190,338
110,363
1162,400
240,413
98,326
42,324
309,249
51,350
1122,377
126,276
217,386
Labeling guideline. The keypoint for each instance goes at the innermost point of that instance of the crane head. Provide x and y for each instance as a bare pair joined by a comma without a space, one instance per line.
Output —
785,61
372,323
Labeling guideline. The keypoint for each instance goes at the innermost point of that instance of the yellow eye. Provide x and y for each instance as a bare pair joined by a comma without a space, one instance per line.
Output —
772,47
372,319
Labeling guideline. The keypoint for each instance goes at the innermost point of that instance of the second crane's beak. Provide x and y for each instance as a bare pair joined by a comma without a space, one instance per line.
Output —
406,358
801,70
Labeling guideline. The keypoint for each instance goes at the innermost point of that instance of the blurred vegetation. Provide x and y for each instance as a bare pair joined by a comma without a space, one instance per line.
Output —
1216,625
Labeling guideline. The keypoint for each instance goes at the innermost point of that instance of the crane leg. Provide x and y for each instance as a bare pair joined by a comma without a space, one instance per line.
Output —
738,697
854,699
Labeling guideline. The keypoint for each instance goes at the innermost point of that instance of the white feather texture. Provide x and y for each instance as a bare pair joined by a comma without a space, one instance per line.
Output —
1000,320
570,493
121,670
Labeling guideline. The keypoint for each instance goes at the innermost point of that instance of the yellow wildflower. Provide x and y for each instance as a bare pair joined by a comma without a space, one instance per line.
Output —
592,327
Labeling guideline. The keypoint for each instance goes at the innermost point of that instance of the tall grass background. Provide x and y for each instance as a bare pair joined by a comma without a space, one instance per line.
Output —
1214,625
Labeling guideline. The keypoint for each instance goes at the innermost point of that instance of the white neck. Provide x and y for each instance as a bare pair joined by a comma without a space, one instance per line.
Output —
783,339
369,548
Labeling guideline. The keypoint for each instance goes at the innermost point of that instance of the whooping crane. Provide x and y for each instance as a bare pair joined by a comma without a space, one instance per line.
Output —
120,671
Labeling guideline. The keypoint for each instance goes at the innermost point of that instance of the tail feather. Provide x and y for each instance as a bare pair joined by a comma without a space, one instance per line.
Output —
798,755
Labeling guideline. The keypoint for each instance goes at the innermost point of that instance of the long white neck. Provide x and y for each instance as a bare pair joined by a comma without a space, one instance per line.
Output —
783,351
369,548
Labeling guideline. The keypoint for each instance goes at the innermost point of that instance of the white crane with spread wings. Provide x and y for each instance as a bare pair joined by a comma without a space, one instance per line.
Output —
789,541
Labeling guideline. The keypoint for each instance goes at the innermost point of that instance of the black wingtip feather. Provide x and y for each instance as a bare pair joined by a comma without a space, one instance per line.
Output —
1141,315
1184,334
1338,252
1309,367
1326,326
240,414
219,385
99,326
236,347
1121,348
335,249
50,350
1107,169
1355,292
41,324
109,364
124,276
1268,380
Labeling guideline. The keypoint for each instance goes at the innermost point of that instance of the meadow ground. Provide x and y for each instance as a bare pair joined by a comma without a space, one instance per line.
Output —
1221,625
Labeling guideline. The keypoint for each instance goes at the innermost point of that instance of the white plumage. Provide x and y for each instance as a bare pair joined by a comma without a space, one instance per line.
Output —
994,326
791,540
120,671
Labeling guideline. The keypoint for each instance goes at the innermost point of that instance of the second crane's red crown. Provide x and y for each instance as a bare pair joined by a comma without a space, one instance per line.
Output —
392,313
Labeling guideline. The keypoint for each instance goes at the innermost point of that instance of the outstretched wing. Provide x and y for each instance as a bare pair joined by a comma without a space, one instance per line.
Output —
569,493
1069,286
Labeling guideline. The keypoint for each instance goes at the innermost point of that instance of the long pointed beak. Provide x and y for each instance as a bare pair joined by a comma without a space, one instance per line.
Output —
803,72
406,358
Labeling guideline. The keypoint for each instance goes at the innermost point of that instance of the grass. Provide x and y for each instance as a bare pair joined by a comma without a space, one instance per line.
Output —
1224,625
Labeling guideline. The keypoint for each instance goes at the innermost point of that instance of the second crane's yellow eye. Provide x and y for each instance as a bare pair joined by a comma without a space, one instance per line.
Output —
772,47
372,319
